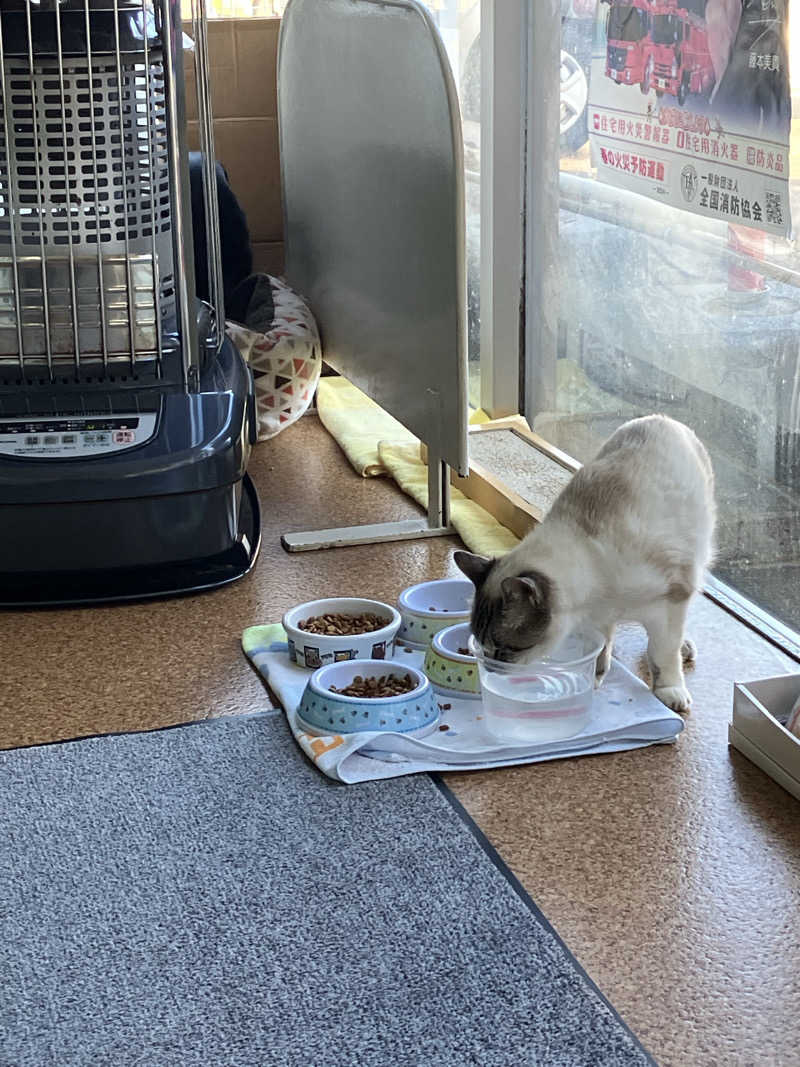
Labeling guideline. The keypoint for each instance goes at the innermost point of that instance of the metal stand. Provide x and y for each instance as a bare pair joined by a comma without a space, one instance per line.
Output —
437,523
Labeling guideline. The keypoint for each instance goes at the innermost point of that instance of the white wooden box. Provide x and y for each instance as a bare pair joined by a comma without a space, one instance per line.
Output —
760,710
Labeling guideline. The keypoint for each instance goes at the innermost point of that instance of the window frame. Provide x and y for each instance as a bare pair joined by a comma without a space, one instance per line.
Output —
504,51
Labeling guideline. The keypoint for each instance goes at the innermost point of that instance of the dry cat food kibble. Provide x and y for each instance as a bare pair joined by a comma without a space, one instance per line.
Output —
388,685
464,652
337,625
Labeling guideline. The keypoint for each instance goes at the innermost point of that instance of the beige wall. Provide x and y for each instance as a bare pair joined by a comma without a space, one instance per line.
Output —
243,60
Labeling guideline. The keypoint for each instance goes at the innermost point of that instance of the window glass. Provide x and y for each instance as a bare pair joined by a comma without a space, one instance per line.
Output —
661,309
238,9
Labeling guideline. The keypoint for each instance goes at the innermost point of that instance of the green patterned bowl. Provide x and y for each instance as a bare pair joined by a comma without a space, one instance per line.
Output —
450,671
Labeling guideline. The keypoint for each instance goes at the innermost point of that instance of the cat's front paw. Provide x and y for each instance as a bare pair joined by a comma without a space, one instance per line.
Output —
676,697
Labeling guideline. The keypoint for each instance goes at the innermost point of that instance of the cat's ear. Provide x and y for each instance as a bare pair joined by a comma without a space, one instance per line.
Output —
475,567
525,590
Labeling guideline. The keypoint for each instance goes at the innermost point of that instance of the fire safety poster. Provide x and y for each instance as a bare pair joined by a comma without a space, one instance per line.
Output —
689,103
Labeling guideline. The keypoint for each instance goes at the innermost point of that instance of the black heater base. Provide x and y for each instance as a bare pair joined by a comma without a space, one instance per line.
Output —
60,589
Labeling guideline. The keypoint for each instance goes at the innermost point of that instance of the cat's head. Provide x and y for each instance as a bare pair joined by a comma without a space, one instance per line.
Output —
513,615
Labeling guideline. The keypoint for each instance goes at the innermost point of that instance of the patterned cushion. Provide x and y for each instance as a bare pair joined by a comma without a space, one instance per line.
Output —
286,361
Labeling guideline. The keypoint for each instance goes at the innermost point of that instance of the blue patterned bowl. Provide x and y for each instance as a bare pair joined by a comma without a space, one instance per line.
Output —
325,712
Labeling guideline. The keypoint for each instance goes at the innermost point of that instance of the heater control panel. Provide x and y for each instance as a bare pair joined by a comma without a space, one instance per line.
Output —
73,436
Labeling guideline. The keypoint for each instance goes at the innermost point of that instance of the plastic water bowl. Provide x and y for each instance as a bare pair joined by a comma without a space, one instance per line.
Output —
544,700
431,606
450,670
324,712
316,650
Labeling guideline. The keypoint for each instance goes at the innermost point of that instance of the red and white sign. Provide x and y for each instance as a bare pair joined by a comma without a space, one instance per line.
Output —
689,104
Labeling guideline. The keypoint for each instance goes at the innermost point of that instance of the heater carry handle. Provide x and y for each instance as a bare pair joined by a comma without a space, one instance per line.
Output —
206,131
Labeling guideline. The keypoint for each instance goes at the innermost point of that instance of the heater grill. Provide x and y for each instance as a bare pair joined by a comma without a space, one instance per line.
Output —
105,184
87,192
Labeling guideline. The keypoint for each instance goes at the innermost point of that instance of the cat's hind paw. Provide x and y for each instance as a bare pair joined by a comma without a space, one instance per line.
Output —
676,697
689,652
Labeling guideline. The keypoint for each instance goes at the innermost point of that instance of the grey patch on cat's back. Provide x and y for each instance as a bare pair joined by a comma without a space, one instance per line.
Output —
602,488
594,494
632,433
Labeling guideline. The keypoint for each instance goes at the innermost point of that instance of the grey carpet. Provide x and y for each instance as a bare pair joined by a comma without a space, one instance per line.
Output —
203,896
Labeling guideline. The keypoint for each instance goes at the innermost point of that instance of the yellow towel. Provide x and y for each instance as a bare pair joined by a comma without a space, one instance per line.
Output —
376,444
357,424
480,531
478,416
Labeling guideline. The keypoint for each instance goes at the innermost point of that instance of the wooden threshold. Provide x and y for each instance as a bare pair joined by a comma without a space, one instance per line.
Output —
519,428
498,499
490,492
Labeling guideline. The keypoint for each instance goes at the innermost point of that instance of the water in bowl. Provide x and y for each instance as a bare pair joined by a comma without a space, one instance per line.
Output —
535,707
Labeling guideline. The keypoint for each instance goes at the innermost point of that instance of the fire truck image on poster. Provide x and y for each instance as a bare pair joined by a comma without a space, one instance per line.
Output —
629,58
680,61
660,46
689,103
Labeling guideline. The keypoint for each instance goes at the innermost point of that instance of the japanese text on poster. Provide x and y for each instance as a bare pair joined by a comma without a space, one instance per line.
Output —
690,104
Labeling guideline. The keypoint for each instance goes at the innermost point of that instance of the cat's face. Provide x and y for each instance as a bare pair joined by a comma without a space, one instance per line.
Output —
512,617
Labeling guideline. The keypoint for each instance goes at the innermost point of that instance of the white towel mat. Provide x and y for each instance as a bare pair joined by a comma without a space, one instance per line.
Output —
625,715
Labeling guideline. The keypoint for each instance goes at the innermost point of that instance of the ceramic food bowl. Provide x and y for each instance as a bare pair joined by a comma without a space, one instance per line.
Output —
539,701
316,650
451,671
431,606
323,712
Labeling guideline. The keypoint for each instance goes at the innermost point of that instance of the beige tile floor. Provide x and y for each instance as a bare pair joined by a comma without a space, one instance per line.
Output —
672,873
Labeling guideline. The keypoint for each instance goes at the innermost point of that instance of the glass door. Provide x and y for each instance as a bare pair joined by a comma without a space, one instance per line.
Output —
662,270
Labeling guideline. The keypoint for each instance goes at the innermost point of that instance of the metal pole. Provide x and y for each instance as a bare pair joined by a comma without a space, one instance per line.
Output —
124,165
183,245
206,127
76,341
154,189
97,212
40,206
10,201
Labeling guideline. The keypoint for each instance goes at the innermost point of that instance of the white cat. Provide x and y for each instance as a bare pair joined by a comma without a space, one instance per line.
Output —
627,539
